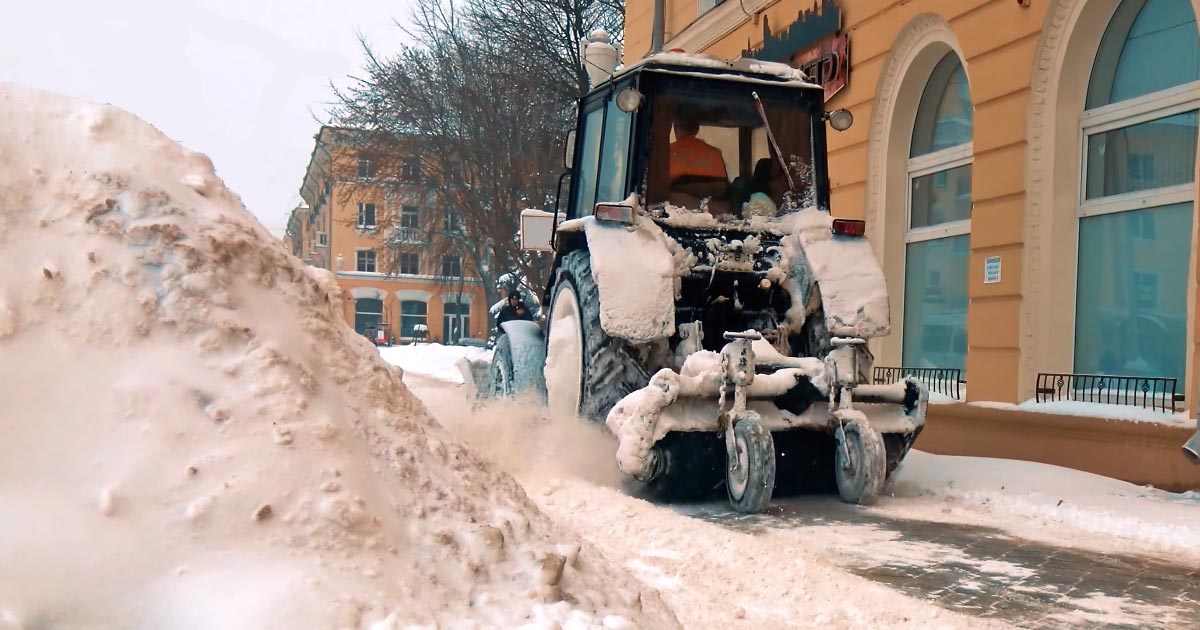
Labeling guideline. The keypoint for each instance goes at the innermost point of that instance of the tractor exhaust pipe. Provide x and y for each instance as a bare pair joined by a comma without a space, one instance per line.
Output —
656,33
1191,449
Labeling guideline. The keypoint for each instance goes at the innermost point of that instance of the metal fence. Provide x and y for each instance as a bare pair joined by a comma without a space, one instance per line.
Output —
947,381
1150,392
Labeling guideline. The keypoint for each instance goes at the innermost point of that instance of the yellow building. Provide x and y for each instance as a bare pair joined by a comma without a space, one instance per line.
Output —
1027,170
389,243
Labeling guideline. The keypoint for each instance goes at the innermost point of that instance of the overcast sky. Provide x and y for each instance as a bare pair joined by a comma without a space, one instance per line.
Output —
238,80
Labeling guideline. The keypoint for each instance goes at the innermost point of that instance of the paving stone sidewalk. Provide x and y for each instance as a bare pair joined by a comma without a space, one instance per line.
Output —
986,572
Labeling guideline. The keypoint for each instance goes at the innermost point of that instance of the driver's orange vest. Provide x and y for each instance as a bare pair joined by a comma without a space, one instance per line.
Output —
693,156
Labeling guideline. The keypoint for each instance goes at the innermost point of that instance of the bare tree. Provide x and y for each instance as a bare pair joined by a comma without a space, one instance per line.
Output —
484,97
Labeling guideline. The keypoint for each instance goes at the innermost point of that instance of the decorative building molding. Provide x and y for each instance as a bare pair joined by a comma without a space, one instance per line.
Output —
403,277
413,294
1047,61
715,24
368,292
923,35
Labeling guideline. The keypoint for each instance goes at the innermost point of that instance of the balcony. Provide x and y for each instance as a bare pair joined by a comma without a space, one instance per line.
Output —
408,236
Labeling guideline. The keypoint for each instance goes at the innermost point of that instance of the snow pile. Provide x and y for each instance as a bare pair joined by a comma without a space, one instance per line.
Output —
635,273
1046,502
193,437
433,359
1129,413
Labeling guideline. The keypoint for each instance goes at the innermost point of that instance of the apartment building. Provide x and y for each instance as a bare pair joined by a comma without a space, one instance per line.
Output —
374,221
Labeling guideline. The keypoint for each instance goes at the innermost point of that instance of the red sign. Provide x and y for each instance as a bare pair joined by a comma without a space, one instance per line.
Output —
827,64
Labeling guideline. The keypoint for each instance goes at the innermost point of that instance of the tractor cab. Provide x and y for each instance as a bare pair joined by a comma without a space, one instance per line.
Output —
741,142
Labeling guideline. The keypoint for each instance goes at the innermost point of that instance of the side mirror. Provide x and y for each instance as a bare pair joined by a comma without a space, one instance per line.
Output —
569,151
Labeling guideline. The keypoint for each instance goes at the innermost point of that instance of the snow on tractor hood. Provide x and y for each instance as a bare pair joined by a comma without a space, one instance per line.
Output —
852,288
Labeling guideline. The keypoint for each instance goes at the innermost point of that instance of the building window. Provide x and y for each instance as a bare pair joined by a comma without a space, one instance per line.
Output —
366,216
452,266
456,321
452,221
366,261
410,225
937,238
411,169
708,5
322,239
1136,202
413,319
366,170
410,263
368,312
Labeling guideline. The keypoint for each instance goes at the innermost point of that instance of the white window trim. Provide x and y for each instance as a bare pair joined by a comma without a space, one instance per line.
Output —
1153,198
366,249
925,165
322,239
1182,97
362,206
715,24
1170,102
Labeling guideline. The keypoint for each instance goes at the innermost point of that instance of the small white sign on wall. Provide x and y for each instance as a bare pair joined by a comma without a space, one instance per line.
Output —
991,270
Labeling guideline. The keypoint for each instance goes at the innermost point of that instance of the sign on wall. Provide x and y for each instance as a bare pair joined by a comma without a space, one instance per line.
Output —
991,270
814,43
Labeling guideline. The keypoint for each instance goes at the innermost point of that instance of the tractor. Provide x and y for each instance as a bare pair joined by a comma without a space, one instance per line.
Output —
703,303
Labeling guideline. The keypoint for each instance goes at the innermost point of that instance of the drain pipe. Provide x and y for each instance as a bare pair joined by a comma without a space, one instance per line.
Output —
656,34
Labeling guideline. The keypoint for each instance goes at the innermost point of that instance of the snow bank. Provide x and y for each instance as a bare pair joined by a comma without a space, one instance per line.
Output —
193,437
432,359
1047,502
1101,410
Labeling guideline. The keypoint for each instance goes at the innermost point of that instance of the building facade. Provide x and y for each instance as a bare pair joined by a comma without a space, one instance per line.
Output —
374,222
1026,168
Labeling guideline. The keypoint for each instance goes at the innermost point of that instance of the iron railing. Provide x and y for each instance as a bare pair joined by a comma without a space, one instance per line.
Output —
1150,392
947,381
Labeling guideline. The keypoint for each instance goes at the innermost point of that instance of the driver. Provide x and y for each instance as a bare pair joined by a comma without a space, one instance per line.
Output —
697,169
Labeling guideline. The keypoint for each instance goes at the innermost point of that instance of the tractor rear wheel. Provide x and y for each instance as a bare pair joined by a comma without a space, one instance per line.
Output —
587,372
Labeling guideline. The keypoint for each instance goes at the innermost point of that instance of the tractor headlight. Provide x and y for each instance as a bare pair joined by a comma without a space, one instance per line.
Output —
840,119
629,99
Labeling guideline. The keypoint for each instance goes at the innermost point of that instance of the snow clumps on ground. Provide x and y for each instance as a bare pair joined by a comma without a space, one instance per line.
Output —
193,438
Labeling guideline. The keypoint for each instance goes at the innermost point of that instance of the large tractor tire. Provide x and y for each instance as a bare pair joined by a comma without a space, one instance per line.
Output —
587,372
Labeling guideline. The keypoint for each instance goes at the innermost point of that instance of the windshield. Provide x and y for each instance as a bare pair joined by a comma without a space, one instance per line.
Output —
710,150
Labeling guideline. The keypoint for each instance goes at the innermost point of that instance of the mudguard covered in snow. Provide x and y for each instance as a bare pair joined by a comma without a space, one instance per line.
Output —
635,273
852,287
528,353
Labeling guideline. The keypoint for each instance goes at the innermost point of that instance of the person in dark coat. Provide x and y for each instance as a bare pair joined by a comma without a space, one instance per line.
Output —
515,309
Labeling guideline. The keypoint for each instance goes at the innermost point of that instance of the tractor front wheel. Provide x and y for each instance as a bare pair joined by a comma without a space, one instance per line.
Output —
750,467
860,466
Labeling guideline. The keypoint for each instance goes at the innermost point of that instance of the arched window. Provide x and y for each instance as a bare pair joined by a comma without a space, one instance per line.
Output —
368,312
937,237
1136,199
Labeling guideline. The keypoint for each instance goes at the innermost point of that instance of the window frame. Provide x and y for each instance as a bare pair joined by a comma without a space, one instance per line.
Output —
362,225
410,256
924,165
448,257
1181,99
373,258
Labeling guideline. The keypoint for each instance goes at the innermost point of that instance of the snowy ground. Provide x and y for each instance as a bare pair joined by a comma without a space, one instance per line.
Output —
432,359
568,470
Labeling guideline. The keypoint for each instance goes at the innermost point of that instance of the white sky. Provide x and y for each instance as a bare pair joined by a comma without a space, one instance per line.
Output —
238,80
